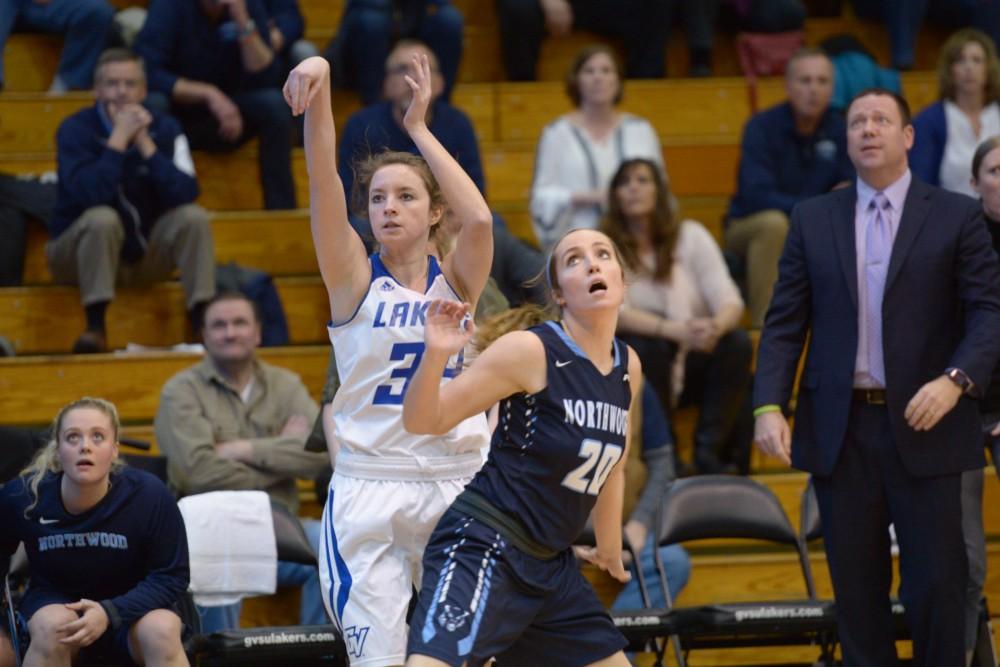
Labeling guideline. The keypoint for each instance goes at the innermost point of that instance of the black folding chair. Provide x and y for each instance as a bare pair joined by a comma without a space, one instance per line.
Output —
717,506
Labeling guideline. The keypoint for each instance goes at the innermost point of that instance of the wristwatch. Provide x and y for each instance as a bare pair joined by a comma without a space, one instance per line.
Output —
961,380
247,29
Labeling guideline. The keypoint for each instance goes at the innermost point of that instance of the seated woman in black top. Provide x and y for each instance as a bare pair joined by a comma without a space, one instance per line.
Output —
106,548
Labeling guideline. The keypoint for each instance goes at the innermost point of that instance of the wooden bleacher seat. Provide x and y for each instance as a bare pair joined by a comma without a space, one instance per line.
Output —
34,388
278,242
47,319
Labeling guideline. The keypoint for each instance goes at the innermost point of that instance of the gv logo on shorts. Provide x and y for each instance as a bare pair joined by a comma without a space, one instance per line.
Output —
355,637
451,618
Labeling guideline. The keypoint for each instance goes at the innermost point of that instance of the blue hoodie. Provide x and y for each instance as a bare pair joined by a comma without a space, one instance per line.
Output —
141,190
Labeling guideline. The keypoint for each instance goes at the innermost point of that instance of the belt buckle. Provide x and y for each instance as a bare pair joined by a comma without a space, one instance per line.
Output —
875,396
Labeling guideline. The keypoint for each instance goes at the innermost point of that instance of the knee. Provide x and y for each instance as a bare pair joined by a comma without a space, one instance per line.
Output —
158,634
371,22
772,227
45,628
739,345
103,221
446,20
676,565
519,10
274,109
96,14
194,219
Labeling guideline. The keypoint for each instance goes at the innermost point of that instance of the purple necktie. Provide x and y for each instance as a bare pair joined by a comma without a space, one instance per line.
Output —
878,249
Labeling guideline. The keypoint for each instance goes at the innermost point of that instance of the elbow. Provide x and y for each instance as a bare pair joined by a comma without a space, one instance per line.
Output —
421,425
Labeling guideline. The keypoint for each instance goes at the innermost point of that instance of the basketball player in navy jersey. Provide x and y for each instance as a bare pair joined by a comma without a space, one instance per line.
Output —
389,487
500,576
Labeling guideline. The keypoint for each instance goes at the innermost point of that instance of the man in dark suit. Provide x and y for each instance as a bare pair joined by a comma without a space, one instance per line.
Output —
896,286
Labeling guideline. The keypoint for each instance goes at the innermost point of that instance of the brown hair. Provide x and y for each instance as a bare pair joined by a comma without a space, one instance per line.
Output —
664,227
118,55
585,54
231,295
952,51
901,103
365,169
47,459
987,146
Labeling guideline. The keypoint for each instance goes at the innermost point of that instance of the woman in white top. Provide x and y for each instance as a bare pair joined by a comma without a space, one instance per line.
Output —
948,131
389,487
578,153
682,314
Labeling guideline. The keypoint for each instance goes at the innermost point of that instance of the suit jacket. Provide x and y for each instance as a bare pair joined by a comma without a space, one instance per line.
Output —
941,308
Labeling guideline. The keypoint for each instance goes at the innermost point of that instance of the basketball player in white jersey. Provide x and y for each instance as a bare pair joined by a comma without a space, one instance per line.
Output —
389,487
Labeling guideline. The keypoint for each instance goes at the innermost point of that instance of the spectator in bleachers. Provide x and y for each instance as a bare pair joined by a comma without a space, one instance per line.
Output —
286,29
948,131
368,29
903,19
233,422
578,152
84,25
212,64
790,152
986,183
124,211
642,26
682,314
379,127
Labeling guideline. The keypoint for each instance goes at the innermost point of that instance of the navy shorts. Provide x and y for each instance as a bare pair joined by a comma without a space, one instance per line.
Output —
483,598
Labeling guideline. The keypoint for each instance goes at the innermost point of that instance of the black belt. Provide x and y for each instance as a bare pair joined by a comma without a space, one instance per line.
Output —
869,396
475,505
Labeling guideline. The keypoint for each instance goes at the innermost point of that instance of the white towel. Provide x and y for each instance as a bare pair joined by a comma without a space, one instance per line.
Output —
231,545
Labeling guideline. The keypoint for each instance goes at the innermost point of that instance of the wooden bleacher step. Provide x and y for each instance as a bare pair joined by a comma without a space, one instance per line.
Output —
34,388
278,242
48,319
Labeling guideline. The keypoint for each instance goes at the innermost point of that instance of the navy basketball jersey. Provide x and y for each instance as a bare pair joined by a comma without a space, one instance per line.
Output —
552,451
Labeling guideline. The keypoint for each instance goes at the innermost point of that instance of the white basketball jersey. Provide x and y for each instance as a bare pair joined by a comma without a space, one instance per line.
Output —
377,352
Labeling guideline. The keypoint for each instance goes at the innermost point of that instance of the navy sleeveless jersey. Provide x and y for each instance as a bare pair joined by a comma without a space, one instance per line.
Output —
553,450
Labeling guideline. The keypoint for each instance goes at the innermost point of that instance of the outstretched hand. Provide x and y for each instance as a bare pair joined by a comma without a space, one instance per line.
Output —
447,327
304,82
422,87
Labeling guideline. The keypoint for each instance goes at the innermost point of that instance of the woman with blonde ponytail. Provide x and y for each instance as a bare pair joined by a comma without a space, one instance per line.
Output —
107,552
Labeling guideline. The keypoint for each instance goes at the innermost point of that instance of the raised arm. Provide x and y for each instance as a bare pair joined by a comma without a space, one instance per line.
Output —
468,265
340,251
514,363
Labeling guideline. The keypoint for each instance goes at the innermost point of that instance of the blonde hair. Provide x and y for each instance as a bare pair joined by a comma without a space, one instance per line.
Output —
514,319
47,459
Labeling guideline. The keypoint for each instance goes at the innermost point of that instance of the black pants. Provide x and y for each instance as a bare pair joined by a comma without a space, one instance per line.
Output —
868,489
718,383
642,25
20,200
266,116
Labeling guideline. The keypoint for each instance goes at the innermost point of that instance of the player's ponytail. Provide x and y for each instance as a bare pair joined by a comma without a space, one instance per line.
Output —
514,319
